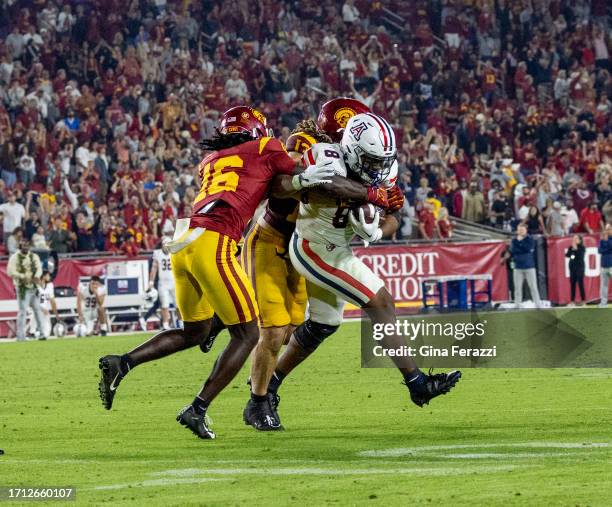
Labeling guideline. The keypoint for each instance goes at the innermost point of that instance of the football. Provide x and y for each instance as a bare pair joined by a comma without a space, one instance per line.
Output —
369,212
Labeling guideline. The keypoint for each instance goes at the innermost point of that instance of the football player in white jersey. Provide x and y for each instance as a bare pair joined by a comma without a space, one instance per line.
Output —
162,267
320,252
47,302
90,306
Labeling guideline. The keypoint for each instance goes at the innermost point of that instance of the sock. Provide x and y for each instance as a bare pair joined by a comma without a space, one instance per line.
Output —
127,364
257,398
415,380
276,381
200,405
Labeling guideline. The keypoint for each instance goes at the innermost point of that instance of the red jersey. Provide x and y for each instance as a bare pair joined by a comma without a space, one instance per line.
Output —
233,183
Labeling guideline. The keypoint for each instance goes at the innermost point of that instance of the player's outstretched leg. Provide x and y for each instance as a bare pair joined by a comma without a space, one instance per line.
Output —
243,338
114,368
422,387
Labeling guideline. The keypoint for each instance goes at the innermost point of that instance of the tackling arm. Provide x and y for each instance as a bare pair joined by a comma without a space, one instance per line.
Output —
283,186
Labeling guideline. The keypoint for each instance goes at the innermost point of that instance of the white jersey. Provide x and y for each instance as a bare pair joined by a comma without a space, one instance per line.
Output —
46,294
89,299
324,219
164,268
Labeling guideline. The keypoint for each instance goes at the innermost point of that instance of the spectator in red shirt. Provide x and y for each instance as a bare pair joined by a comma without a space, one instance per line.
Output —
427,221
591,220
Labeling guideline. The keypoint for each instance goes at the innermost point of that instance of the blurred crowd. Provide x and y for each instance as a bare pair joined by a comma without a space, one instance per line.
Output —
501,109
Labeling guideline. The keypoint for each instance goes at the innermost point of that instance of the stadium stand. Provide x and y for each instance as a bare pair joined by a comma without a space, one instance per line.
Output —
502,108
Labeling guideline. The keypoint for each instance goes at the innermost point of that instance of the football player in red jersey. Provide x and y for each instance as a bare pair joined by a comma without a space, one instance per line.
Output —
245,165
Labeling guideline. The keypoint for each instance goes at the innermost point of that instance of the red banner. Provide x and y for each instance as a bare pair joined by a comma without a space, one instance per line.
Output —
67,275
558,269
402,267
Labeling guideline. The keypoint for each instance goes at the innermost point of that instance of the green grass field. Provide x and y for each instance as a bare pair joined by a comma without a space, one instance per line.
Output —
502,437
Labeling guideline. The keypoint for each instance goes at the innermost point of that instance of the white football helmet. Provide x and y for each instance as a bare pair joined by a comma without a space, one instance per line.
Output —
369,146
150,297
80,329
59,329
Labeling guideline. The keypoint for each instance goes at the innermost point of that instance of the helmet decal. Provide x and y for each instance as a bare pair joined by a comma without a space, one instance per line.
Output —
358,129
343,115
336,113
259,116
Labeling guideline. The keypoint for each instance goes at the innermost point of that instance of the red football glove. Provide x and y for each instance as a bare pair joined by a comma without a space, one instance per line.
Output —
396,199
378,197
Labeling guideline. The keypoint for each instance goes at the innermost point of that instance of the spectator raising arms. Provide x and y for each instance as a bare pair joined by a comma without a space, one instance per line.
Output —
98,106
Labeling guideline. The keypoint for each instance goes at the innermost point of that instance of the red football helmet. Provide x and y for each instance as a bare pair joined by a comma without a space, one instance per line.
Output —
244,119
336,112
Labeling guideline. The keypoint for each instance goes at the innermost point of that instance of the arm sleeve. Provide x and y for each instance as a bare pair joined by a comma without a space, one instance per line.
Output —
11,268
514,246
37,265
278,159
70,195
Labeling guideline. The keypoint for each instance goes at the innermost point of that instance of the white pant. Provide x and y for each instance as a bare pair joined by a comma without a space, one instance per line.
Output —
90,317
333,275
29,300
46,322
528,275
606,274
167,296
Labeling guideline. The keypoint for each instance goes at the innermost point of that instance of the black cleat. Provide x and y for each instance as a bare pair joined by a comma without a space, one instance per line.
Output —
274,403
435,385
261,416
103,332
110,367
197,423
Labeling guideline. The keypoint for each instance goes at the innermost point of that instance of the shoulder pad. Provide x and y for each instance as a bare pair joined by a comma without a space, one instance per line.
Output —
270,144
327,153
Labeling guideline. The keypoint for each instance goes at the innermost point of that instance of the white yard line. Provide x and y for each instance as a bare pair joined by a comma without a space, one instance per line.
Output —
407,451
507,455
190,475
160,482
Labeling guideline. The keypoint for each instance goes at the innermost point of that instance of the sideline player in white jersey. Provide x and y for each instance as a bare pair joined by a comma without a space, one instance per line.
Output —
320,252
90,307
162,267
46,296
46,293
